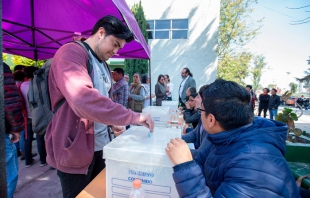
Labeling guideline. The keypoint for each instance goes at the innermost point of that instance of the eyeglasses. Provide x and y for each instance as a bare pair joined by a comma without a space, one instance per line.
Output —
199,109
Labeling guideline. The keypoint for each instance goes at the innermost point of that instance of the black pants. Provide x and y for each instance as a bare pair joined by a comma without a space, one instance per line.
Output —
260,108
28,145
181,104
73,184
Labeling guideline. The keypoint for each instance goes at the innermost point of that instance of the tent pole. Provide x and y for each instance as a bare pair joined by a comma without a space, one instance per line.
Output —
150,82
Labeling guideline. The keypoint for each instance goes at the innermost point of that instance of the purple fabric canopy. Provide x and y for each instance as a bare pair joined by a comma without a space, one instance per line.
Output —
37,28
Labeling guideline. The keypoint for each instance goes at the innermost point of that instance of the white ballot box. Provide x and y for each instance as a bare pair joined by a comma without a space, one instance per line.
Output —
172,104
160,114
136,154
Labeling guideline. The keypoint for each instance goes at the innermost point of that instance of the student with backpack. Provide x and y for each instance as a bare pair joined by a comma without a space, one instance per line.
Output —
24,87
78,131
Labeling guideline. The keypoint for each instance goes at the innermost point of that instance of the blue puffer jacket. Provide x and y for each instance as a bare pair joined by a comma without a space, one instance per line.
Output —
244,162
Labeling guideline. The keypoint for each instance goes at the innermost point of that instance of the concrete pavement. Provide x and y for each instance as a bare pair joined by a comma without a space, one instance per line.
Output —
37,181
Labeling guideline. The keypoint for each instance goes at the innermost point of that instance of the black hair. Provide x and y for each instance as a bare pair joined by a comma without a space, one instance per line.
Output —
249,86
274,90
29,71
159,77
19,67
167,77
113,26
194,95
19,75
229,103
192,90
267,89
187,71
144,78
119,71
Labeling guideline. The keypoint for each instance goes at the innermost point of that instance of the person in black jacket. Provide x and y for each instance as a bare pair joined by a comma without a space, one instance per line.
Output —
263,102
274,102
191,114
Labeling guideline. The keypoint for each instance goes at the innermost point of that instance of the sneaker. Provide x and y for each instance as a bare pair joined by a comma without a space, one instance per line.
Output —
29,165
43,164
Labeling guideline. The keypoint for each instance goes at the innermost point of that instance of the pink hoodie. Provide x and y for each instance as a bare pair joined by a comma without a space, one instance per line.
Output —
70,134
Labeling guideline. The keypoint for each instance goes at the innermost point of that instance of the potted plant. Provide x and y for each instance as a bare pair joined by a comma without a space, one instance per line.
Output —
288,116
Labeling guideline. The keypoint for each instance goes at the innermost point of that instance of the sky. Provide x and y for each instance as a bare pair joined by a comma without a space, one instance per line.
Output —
286,47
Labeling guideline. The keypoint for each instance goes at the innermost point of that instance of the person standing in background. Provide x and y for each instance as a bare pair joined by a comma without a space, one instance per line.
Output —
253,96
263,102
145,81
274,102
120,87
126,77
188,81
136,94
13,126
29,72
161,90
170,86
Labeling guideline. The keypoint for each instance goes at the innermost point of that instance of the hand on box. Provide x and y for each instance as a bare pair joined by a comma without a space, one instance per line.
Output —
147,121
118,130
178,151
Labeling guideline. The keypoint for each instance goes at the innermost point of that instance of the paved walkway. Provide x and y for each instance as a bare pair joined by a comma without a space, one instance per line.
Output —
39,181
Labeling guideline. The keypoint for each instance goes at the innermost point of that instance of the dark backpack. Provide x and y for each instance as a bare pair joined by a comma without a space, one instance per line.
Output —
39,96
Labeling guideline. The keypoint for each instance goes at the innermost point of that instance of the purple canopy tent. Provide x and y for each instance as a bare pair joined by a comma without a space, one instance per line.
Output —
37,28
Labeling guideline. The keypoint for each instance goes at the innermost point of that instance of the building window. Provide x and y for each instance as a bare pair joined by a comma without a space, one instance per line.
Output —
168,29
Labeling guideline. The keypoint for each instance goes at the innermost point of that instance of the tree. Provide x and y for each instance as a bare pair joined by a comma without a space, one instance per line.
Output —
235,30
293,87
307,77
259,64
4,57
19,60
271,86
138,65
235,68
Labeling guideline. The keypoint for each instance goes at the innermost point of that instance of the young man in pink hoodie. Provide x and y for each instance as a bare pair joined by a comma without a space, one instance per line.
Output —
79,129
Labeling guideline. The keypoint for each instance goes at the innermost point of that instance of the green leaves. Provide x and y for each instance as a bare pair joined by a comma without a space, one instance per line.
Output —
287,116
293,87
259,65
138,65
236,29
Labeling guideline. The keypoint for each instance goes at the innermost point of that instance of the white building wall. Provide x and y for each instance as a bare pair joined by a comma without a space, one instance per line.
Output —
198,52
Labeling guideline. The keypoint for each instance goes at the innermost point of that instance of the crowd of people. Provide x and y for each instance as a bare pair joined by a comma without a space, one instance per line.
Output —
234,153
271,101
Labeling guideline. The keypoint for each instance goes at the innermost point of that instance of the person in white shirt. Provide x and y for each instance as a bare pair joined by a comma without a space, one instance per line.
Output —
170,87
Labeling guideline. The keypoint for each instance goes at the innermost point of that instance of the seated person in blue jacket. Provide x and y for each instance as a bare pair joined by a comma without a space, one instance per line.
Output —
245,157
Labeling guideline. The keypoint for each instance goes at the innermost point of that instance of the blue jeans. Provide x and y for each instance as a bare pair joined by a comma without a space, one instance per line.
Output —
11,166
21,143
273,113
